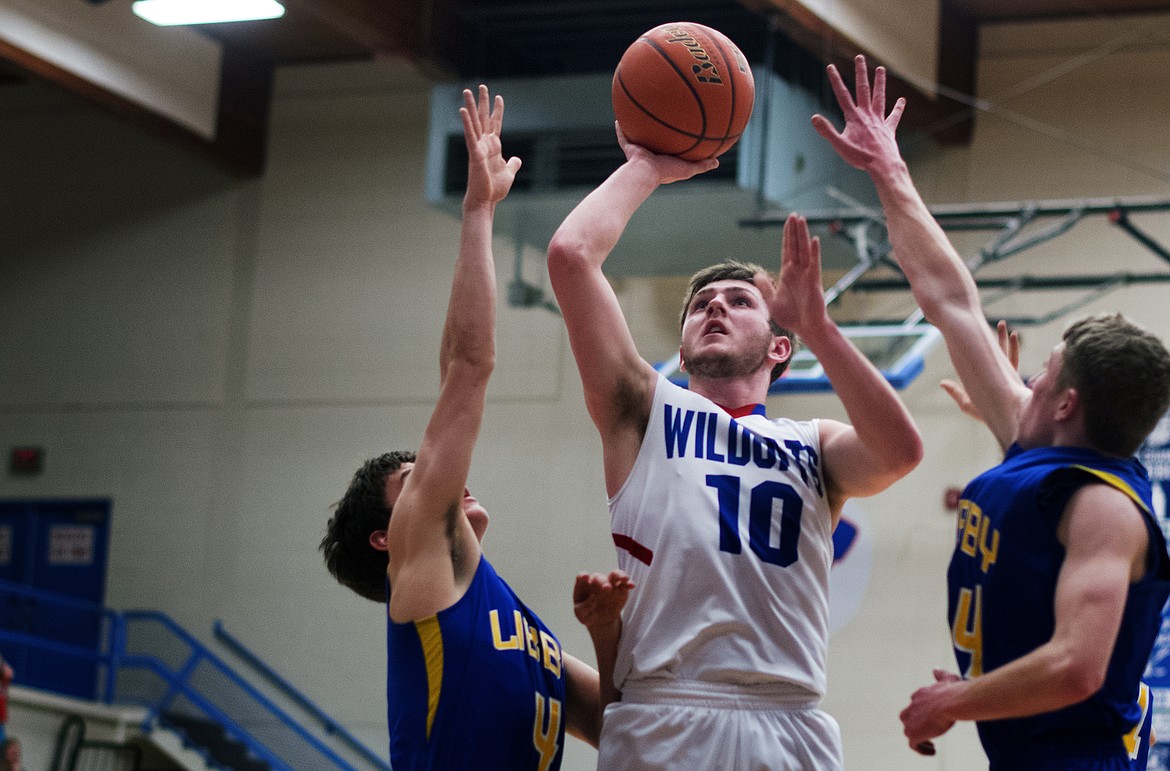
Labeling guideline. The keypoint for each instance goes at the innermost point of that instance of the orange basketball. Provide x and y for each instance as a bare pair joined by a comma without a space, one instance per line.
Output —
683,89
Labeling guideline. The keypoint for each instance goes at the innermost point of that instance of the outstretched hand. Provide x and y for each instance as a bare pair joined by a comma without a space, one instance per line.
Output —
598,599
489,176
668,168
796,298
1010,344
868,137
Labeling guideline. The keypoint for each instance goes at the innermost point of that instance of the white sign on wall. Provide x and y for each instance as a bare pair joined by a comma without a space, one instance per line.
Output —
71,545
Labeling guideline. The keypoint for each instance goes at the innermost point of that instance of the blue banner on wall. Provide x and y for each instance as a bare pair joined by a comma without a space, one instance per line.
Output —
1155,454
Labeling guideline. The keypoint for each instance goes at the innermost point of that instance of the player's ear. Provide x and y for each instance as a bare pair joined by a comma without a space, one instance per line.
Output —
682,363
1068,404
378,540
781,349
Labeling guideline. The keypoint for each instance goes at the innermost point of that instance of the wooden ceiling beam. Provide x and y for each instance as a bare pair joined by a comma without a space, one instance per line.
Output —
241,125
958,54
948,121
396,28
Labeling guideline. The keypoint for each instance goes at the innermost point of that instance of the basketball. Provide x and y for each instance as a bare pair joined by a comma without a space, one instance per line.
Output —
683,89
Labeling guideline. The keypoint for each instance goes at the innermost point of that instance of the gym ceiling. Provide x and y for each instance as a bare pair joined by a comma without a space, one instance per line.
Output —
486,39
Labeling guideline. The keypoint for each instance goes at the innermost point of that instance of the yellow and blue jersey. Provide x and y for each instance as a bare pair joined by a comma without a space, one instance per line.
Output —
1001,591
1139,739
478,685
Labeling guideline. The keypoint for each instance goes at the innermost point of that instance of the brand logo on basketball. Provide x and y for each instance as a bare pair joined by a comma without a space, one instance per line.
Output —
704,71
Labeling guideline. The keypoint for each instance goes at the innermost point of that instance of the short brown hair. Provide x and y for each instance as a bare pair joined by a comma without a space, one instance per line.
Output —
1122,375
734,270
361,511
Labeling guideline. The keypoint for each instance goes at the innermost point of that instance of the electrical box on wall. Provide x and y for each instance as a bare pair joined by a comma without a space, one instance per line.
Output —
562,128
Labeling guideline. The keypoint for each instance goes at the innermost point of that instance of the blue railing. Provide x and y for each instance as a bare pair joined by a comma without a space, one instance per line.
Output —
330,726
147,659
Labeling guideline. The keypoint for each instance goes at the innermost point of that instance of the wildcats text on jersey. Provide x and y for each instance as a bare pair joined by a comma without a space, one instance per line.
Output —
722,439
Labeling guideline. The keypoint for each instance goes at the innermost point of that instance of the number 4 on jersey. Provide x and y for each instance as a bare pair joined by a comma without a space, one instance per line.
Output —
967,631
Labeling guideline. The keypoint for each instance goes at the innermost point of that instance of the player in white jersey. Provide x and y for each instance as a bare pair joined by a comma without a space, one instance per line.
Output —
722,517
696,460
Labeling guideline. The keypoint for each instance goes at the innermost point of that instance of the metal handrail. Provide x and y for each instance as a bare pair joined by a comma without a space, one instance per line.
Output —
206,706
262,668
114,657
200,653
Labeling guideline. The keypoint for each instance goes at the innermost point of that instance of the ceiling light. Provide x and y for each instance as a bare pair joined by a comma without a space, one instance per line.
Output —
172,12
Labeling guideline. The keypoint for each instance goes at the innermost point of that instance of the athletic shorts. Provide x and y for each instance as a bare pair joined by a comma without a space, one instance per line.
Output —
696,726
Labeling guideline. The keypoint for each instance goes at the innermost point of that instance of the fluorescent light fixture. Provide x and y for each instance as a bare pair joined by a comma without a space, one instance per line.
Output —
167,13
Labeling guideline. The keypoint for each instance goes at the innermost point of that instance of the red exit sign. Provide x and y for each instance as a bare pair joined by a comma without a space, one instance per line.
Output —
26,461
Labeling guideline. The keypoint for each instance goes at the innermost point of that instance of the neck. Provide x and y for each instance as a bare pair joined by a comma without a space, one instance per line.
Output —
731,392
1061,434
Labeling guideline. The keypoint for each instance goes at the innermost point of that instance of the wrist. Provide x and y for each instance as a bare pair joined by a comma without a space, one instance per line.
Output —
814,333
888,168
643,167
952,702
476,205
605,630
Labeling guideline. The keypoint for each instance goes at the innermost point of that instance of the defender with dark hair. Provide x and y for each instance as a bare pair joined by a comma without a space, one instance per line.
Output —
476,679
363,510
1060,571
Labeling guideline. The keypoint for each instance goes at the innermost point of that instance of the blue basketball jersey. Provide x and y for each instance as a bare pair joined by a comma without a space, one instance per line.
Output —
1001,589
478,685
1137,741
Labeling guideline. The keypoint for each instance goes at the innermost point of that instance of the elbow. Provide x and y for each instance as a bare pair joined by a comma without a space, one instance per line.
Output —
933,308
483,363
566,255
913,452
958,307
902,457
1078,679
470,364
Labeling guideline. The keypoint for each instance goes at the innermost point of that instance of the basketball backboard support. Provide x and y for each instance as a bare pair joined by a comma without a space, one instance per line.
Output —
898,351
1015,226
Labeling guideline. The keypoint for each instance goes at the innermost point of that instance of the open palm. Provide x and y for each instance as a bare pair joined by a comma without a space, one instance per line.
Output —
868,130
489,176
796,298
599,598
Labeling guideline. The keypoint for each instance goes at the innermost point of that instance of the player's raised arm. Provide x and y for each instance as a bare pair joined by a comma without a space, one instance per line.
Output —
618,382
419,540
940,280
881,444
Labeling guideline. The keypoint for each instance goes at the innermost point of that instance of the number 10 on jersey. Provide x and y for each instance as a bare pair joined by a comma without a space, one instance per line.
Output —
763,502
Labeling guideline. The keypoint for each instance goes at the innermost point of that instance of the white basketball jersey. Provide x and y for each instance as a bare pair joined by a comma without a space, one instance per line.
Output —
724,527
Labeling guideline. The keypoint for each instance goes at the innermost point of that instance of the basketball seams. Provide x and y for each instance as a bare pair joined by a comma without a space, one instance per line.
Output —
732,81
690,87
656,119
730,77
